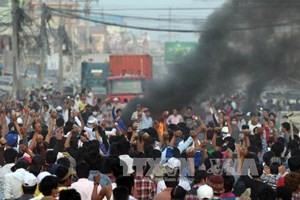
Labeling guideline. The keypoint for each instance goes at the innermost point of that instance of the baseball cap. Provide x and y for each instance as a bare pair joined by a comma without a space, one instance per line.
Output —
42,175
92,120
59,108
29,180
115,99
173,163
205,192
63,172
11,138
20,120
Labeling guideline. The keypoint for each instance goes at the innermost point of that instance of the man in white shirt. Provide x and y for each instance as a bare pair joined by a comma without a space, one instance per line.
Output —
147,121
134,116
83,185
175,118
253,122
10,156
13,181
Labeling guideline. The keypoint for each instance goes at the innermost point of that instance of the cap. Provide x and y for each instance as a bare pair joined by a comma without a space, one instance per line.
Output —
59,155
29,180
115,99
225,129
11,138
42,175
63,172
92,120
20,120
173,163
59,108
205,192
44,98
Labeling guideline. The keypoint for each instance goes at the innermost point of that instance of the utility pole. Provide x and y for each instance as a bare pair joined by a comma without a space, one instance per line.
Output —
87,28
15,44
72,29
41,72
60,52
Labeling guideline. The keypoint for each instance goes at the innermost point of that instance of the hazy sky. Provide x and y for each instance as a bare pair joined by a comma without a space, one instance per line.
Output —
206,7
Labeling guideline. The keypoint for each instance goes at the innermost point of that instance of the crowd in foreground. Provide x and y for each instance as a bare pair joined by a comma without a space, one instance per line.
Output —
76,149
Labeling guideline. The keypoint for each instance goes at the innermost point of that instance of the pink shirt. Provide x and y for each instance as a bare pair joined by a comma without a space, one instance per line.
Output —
172,119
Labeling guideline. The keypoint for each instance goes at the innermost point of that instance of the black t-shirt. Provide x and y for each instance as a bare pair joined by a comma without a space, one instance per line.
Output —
259,190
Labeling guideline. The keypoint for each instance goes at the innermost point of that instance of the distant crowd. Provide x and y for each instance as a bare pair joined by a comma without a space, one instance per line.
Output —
79,147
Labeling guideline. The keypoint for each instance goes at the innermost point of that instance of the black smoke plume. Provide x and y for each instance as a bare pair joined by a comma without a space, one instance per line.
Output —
253,43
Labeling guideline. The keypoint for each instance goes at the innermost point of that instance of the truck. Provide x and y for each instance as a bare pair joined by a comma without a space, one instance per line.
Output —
94,75
128,76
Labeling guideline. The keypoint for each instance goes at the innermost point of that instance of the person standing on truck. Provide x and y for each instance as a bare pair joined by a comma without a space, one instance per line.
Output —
147,120
90,96
106,110
175,118
134,116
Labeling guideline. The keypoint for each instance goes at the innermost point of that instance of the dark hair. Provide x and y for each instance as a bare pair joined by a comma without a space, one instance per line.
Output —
21,163
69,194
219,141
189,107
60,122
178,193
126,181
199,175
29,190
51,157
10,155
272,114
274,168
118,110
64,161
294,163
267,157
293,145
35,169
277,148
286,125
121,193
61,171
228,183
38,160
284,192
82,170
266,192
124,147
176,152
48,184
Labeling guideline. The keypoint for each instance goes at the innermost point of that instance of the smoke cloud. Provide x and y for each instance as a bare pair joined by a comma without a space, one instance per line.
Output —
252,43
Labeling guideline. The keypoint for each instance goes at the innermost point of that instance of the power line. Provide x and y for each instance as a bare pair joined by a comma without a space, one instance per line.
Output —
138,17
71,15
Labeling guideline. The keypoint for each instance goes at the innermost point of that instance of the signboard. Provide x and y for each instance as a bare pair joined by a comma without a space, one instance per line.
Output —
176,51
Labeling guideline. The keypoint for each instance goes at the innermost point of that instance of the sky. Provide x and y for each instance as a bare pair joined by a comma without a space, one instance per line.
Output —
201,9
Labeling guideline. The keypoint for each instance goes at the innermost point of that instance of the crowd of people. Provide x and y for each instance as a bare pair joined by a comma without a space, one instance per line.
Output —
77,148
